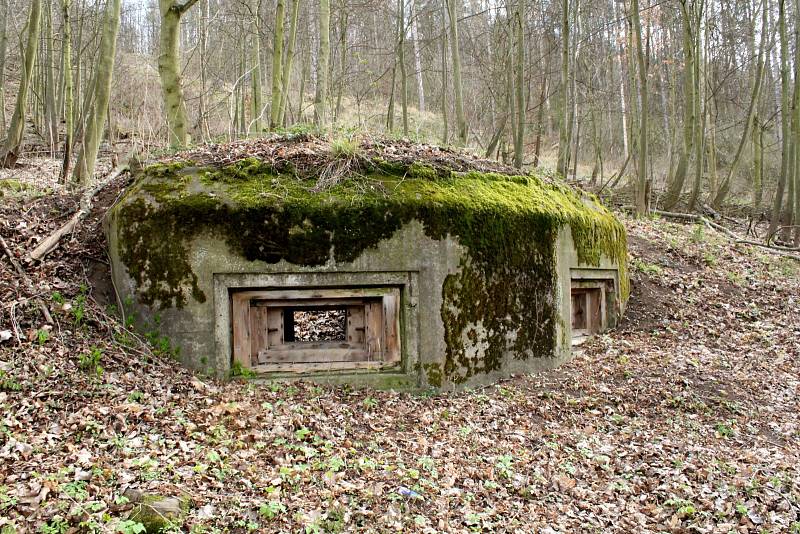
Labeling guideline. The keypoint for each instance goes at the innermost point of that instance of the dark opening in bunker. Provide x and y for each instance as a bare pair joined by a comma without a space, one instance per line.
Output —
315,324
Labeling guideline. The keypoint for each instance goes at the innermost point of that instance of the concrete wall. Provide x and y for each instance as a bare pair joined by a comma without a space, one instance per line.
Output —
409,258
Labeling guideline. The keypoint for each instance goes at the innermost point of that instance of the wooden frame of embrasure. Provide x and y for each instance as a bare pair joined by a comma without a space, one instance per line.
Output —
372,339
387,300
593,303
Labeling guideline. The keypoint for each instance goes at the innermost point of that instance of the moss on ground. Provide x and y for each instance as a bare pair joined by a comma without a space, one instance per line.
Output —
509,224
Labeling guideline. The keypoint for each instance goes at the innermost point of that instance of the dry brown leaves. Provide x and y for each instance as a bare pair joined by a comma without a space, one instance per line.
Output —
305,154
683,419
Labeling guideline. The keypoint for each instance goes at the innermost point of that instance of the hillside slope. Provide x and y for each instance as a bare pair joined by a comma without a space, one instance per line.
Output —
684,418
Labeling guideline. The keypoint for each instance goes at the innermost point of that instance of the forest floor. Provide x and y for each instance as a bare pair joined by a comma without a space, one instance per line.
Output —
684,418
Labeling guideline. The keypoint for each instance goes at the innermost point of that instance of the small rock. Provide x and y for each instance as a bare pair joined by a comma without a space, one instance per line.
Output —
85,475
156,512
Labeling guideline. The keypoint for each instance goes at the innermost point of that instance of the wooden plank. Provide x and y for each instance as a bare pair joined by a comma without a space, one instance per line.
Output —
332,304
313,355
391,330
274,327
321,293
240,323
321,367
595,318
579,310
315,345
258,333
355,325
373,330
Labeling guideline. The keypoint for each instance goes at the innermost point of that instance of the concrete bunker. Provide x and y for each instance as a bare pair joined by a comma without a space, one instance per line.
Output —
434,268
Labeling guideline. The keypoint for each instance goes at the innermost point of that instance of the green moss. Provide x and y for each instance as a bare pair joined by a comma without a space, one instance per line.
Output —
433,374
422,171
501,299
241,171
11,187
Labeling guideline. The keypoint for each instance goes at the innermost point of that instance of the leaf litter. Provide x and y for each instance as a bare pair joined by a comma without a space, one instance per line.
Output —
682,419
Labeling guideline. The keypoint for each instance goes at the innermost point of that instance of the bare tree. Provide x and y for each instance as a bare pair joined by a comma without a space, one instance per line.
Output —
10,151
87,157
169,69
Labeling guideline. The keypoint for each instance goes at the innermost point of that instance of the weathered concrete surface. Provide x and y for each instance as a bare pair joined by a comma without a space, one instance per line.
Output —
437,273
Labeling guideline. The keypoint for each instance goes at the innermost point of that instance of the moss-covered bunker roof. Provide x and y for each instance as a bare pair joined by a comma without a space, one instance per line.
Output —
371,181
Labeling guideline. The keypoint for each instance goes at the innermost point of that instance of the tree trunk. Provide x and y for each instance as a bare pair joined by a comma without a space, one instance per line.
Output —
87,157
256,101
286,71
50,88
701,107
796,126
169,70
417,58
277,65
455,53
724,187
519,139
305,74
321,96
758,164
625,148
540,123
642,186
564,135
342,63
445,132
401,58
690,85
10,150
202,110
3,44
786,169
390,107
66,68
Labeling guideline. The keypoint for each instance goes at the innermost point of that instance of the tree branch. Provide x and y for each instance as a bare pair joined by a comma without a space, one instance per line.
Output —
183,8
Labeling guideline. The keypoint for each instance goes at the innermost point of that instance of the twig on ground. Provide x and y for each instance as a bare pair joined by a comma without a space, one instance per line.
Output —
21,272
51,242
